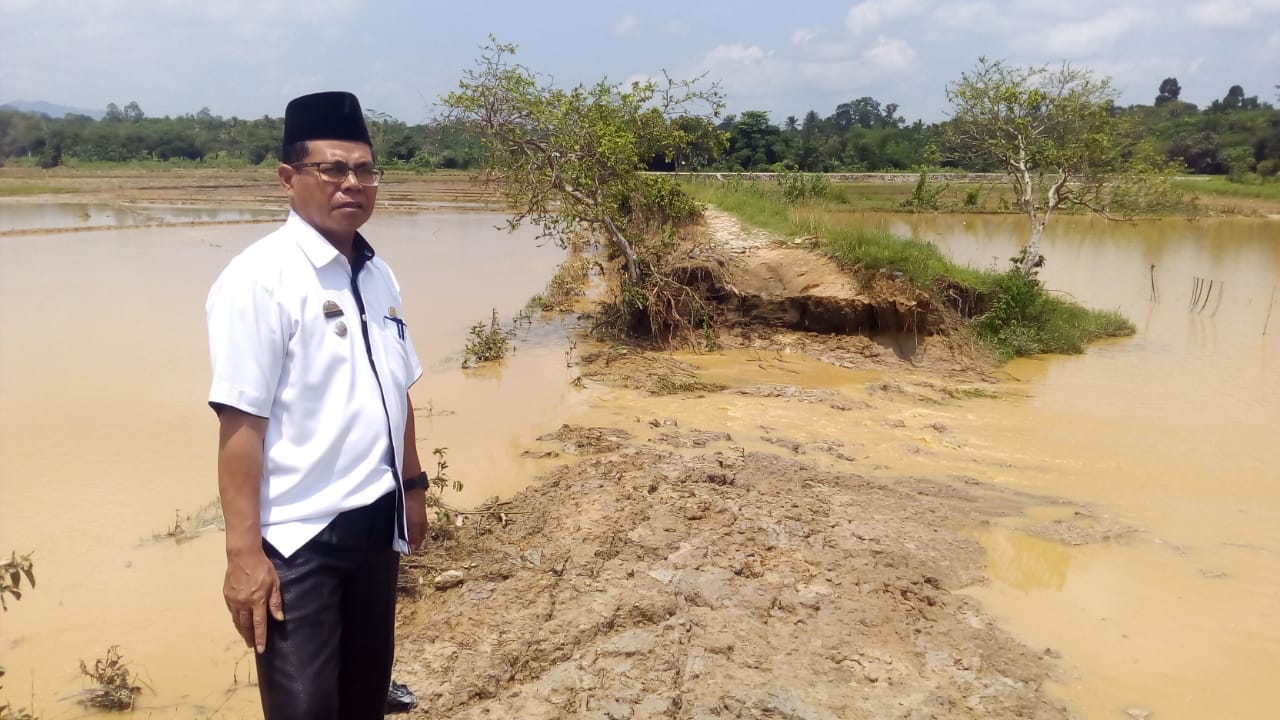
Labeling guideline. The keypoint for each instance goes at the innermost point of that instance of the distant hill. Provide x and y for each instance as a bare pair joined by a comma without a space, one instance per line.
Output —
51,109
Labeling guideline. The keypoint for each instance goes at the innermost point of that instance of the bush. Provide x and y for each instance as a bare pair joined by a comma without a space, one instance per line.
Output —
486,342
925,194
1023,319
798,186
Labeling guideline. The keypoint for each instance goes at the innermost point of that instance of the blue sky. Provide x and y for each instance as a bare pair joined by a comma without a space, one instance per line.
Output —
249,57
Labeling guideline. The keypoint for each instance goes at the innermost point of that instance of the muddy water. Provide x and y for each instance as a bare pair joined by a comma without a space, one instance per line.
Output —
1172,432
105,438
1163,442
16,217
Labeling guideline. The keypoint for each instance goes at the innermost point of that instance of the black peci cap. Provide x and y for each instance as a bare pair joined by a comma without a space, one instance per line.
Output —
325,116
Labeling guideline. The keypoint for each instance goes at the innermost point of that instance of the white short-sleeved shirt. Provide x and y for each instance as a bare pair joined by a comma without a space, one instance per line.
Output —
287,340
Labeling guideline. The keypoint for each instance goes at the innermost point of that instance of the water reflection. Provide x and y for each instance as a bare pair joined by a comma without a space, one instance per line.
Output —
16,218
1023,561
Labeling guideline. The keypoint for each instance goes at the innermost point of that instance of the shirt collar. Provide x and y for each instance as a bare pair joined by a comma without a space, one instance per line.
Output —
320,251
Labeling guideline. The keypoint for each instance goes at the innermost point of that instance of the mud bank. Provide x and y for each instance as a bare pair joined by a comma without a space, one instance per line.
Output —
646,582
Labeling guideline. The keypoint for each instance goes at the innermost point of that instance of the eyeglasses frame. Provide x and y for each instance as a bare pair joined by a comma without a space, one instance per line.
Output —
377,172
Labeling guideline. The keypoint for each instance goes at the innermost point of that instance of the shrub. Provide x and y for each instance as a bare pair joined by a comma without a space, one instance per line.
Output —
925,194
486,342
1023,319
798,186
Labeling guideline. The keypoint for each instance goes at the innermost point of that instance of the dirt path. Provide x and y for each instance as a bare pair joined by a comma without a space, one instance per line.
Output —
677,573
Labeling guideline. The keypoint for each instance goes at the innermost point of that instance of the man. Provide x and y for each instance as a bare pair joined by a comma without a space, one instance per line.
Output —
318,471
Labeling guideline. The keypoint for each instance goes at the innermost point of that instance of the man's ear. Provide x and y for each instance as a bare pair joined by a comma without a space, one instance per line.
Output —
287,174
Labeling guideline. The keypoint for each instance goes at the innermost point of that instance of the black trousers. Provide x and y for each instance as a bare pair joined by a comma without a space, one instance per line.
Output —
331,657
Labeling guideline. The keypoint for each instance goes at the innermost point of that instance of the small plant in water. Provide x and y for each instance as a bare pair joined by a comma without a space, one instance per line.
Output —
9,712
12,571
486,343
118,686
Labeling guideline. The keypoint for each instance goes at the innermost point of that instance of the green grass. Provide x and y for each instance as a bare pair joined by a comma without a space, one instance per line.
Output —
1222,186
1023,319
14,189
1020,318
844,236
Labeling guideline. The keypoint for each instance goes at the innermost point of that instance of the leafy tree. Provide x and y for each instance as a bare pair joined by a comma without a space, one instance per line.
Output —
1055,136
133,113
569,158
1198,150
1169,91
753,141
808,156
1239,161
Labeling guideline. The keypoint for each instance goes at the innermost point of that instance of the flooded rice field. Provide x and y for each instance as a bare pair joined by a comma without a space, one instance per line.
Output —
1165,438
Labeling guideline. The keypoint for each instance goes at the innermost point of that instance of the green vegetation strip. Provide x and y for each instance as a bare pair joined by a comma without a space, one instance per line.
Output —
1230,188
31,189
1021,317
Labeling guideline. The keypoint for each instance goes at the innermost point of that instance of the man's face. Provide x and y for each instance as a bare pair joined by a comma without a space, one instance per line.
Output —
335,209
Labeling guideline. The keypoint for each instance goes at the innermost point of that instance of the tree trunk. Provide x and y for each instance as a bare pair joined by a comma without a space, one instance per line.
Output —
1031,253
633,265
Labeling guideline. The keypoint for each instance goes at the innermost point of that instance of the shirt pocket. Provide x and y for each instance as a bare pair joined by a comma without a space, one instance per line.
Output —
391,335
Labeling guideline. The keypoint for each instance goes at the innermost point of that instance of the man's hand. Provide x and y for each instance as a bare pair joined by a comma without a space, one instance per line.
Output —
252,589
415,511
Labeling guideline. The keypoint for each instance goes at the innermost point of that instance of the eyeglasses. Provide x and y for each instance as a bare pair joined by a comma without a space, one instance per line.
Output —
336,172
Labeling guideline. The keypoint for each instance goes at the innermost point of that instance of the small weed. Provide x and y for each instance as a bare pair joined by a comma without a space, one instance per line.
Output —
9,712
438,484
12,571
118,686
975,198
568,283
190,526
486,343
925,195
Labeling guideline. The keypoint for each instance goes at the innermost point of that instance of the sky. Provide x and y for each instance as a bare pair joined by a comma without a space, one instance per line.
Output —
247,58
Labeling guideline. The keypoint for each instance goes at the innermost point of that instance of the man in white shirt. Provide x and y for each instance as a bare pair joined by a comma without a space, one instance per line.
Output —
318,471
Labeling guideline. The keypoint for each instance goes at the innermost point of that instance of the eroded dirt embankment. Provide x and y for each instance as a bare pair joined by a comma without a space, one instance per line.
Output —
679,572
650,583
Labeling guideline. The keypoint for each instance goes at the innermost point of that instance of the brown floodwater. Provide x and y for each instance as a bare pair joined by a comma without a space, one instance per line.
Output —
1173,432
104,437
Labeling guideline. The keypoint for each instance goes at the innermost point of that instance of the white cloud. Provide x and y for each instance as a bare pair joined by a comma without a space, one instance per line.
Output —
1231,13
890,54
870,14
802,36
736,54
1089,36
626,25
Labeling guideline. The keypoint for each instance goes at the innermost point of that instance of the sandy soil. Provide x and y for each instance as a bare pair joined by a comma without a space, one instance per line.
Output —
684,576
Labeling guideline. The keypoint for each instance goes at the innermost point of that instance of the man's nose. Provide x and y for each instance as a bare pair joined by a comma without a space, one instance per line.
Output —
351,181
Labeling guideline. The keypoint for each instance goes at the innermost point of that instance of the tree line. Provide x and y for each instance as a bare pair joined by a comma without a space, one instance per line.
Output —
1238,135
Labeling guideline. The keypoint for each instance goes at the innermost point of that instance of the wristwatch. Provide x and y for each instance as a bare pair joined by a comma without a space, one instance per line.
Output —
416,482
